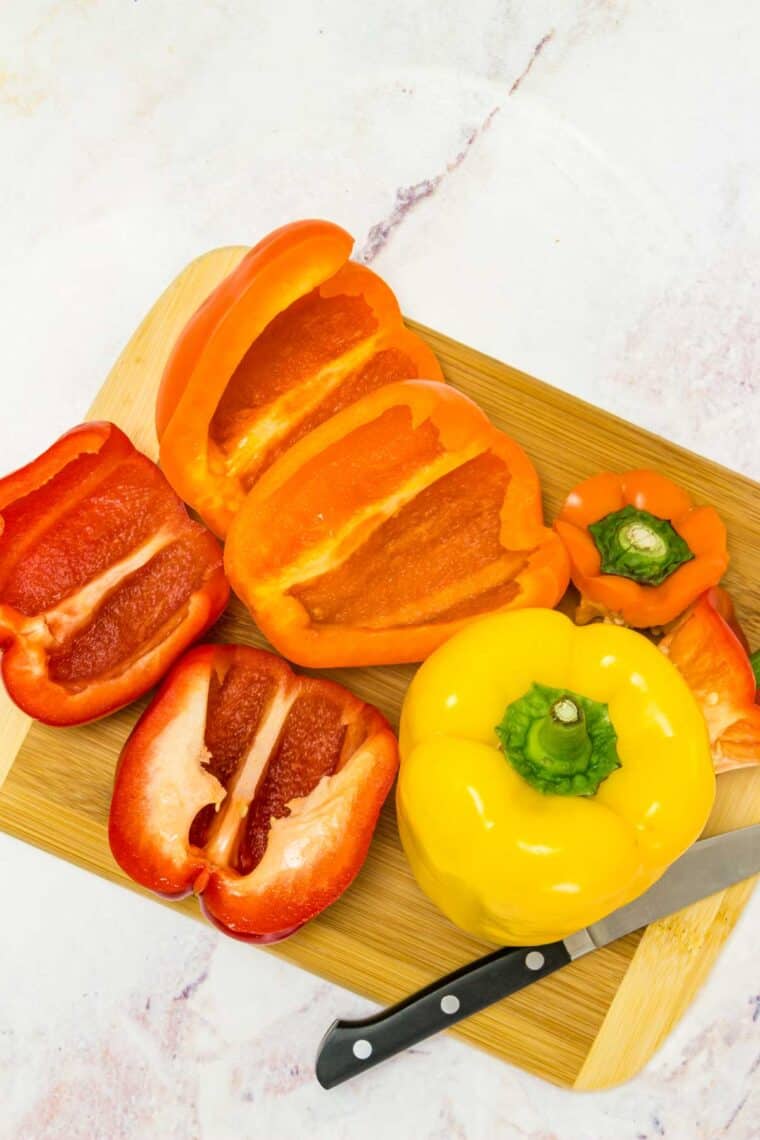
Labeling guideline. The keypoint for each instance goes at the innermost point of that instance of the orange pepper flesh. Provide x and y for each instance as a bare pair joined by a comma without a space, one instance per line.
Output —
641,606
292,336
378,535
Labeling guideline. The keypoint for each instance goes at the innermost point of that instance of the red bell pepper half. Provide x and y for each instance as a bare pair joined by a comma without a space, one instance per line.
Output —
253,787
104,578
710,649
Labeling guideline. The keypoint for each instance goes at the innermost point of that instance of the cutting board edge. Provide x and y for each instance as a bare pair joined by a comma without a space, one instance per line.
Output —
698,935
283,951
533,382
14,728
595,1073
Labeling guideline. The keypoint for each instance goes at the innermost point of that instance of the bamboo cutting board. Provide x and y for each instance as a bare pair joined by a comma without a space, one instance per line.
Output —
593,1024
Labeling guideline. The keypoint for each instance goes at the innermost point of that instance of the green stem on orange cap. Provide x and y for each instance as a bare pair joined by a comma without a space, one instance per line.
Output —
638,545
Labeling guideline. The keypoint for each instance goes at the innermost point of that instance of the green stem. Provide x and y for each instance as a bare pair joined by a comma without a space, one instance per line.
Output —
635,544
754,661
562,735
560,742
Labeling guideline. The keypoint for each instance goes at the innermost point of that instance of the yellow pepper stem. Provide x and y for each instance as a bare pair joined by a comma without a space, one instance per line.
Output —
561,735
562,743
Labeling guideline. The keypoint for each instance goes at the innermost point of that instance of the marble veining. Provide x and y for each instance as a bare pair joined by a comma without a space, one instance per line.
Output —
570,185
407,197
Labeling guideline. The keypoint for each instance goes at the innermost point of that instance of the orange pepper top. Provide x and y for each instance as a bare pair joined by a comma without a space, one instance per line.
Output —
295,333
640,551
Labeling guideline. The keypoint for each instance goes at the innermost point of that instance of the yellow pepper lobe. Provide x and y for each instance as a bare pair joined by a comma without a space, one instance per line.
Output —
510,863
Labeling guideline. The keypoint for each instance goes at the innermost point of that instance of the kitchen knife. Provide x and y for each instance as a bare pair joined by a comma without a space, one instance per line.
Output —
350,1047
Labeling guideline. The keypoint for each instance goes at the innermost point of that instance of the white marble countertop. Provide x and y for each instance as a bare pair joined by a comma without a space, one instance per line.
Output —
570,185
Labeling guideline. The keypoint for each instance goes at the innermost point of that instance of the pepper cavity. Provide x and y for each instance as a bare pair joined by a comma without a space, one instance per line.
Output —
270,741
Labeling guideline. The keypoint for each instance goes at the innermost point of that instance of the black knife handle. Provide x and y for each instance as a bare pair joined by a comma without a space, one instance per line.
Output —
350,1047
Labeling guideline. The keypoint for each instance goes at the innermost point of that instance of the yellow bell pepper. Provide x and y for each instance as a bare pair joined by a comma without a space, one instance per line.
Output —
550,773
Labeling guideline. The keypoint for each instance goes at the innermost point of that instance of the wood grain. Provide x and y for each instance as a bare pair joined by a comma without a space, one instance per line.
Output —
593,1024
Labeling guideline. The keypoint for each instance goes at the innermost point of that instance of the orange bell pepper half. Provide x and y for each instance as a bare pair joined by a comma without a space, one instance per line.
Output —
390,526
640,551
104,579
295,333
710,650
257,789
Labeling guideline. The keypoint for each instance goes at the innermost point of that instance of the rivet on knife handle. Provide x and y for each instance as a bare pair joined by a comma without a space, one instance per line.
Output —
350,1047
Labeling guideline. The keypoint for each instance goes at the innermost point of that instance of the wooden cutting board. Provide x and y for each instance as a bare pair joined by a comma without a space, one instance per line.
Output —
595,1023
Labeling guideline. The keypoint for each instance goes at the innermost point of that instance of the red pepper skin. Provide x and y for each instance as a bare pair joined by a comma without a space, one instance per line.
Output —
297,768
710,650
104,578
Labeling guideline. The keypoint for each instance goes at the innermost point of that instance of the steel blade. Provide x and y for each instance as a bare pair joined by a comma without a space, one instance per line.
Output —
710,865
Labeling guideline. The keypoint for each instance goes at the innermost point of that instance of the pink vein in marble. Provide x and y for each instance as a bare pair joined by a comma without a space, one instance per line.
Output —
409,197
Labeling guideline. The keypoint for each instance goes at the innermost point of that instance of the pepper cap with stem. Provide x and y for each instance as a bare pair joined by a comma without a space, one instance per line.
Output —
640,550
638,545
561,742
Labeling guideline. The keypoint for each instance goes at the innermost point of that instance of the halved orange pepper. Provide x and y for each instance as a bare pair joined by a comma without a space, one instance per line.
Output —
295,333
640,551
387,528
709,648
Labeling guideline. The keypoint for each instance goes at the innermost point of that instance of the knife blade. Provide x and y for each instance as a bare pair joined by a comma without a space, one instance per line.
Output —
350,1047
